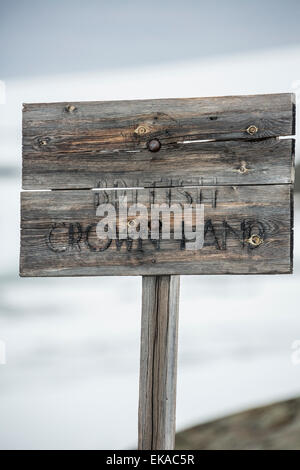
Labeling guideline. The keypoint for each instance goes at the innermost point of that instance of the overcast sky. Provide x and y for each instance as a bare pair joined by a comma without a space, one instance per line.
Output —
64,36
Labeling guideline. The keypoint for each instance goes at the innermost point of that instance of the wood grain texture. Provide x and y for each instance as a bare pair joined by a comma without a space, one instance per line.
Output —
268,161
158,362
77,145
58,233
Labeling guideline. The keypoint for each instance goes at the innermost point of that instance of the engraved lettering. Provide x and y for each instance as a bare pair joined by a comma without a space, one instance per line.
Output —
75,236
106,243
51,241
229,229
210,230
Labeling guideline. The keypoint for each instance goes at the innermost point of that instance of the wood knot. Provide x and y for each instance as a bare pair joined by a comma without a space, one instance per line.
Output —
252,130
70,108
132,223
243,169
140,130
43,141
255,240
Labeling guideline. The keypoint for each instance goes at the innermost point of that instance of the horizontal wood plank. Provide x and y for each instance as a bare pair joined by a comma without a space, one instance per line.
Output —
58,233
76,145
267,161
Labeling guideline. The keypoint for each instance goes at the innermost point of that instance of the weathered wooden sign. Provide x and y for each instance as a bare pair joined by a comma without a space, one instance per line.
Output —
83,161
225,153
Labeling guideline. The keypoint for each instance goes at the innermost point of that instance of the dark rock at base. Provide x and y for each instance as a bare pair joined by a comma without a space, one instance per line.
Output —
272,427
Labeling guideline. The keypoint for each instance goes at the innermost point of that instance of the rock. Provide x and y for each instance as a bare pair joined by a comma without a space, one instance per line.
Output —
272,427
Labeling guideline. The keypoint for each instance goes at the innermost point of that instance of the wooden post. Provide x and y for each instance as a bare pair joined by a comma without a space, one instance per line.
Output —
158,366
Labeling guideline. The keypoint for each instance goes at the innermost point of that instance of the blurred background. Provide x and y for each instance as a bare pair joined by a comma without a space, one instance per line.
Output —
72,345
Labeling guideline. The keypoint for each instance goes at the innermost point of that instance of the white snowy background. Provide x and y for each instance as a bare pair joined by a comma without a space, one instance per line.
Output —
72,345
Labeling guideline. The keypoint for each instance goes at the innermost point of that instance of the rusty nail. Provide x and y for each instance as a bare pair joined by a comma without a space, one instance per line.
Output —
252,130
255,240
154,145
70,108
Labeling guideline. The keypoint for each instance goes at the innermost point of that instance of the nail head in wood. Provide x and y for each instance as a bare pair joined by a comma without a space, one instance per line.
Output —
154,145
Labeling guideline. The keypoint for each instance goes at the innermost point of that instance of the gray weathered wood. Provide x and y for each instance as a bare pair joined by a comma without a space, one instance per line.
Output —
242,178
158,362
267,161
58,233
77,145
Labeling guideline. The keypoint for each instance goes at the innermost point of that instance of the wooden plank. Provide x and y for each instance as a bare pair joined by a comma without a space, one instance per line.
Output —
268,161
58,233
85,134
158,362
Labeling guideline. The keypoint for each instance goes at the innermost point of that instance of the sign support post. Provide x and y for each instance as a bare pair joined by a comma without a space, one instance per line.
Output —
158,362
